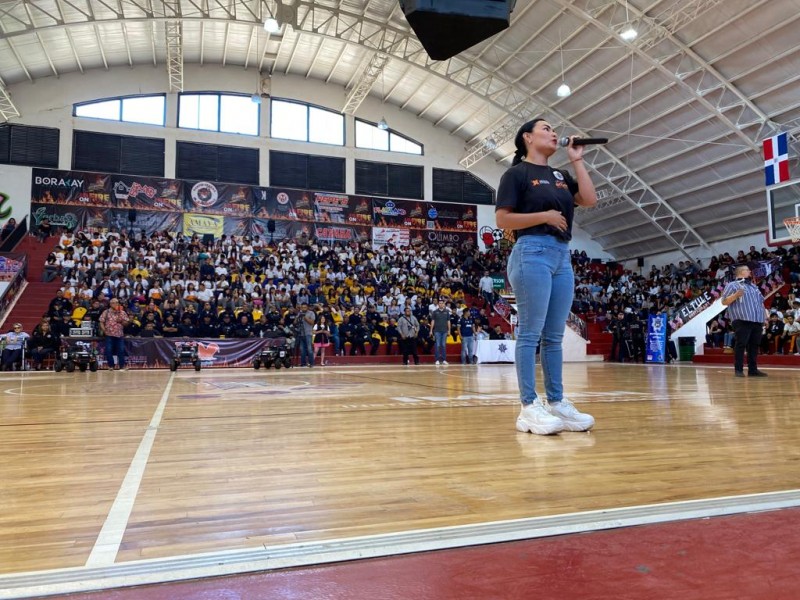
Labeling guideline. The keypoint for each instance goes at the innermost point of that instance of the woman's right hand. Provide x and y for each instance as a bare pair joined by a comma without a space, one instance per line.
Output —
556,219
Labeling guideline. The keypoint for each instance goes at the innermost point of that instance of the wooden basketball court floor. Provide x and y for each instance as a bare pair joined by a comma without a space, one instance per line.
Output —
121,478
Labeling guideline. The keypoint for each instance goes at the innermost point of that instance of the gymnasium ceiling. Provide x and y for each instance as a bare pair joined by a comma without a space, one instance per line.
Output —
686,104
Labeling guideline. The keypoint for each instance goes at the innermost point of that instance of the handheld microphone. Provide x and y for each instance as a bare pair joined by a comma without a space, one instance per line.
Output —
564,141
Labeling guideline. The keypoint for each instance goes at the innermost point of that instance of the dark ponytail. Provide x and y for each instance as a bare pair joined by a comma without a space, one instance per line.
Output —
519,141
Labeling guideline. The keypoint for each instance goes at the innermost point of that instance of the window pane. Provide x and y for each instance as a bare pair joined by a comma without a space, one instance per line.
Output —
99,110
208,113
401,144
189,106
369,136
289,121
148,110
325,127
239,114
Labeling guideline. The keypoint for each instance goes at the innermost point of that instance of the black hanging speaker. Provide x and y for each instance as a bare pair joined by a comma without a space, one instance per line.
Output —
447,27
132,215
271,226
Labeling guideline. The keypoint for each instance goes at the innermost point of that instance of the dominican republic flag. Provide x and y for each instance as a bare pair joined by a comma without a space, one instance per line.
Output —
776,159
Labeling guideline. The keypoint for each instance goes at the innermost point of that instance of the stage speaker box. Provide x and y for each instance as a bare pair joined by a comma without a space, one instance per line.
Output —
132,215
271,226
208,239
640,261
447,27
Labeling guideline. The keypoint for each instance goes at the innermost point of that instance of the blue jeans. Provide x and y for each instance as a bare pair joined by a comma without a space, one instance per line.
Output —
540,272
467,349
306,350
115,346
440,345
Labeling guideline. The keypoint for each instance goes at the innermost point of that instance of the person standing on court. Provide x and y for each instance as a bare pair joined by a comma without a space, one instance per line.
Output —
466,327
408,326
746,310
112,322
538,203
305,331
440,329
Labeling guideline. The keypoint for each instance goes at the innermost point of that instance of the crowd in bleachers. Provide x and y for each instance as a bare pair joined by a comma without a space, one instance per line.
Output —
174,285
623,299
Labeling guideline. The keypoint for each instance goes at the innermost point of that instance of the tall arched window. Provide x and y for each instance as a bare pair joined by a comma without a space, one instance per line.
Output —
306,123
372,137
149,110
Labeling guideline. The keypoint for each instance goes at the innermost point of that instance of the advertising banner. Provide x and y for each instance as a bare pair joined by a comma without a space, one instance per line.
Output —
218,198
145,193
70,187
283,204
696,306
203,224
399,238
70,217
398,213
340,233
155,353
463,240
331,208
15,192
656,350
360,211
444,216
237,226
284,230
146,221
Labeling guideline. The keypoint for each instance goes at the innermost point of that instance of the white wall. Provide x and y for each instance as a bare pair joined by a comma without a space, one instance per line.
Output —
48,102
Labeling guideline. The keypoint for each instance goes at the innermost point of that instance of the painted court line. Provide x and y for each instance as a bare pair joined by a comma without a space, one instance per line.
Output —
105,549
265,558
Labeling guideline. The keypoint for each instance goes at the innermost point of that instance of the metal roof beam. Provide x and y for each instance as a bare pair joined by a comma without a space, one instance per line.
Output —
8,110
366,81
173,35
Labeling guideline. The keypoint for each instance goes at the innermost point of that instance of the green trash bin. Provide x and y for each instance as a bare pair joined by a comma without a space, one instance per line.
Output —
686,348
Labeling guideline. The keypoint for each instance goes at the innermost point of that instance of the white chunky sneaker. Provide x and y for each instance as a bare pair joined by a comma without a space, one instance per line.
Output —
537,419
573,419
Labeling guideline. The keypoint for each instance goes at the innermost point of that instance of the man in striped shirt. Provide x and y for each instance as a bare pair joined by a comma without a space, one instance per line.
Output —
746,310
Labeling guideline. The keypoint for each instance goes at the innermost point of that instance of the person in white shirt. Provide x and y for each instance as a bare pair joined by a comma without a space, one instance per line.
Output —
791,329
486,286
204,293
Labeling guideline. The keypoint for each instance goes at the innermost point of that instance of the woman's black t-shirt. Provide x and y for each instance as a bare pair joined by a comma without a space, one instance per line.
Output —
528,188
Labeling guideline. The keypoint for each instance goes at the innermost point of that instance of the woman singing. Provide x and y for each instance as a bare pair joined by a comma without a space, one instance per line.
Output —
538,203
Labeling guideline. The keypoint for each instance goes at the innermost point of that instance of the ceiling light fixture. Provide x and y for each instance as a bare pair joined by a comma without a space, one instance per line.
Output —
382,124
271,25
628,33
563,90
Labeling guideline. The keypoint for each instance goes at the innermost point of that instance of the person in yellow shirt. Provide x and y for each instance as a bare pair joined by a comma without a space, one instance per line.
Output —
137,270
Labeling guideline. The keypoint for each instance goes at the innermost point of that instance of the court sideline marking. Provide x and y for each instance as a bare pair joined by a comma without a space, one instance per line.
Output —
302,554
105,549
